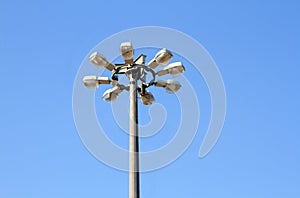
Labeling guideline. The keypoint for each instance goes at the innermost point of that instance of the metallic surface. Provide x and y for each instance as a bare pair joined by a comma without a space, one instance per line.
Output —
134,178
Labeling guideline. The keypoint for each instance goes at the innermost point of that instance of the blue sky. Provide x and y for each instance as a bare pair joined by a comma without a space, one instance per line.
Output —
255,45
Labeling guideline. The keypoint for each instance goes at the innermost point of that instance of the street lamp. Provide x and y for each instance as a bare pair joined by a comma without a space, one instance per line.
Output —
161,58
100,61
173,69
93,82
111,95
147,98
127,52
171,86
136,71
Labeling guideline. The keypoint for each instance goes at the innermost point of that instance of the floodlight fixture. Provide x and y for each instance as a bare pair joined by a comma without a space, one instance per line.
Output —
112,94
136,70
147,98
127,52
162,57
93,82
90,82
173,69
171,86
100,61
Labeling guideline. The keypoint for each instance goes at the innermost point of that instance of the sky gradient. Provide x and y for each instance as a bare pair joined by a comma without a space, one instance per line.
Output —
255,45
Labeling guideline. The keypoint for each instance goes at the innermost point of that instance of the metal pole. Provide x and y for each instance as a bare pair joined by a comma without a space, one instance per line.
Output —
134,180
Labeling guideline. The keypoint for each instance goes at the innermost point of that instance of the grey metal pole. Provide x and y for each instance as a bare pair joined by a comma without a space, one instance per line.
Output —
134,180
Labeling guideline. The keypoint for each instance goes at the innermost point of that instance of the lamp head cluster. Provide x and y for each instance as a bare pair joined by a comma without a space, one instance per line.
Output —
162,58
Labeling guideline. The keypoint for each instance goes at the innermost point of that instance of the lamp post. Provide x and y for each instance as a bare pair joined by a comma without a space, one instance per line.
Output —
136,71
134,179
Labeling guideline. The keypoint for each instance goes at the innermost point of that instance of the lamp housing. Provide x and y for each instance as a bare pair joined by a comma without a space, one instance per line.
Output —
127,52
147,98
112,94
100,61
162,57
173,69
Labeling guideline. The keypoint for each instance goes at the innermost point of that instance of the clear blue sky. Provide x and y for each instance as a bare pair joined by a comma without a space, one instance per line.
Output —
254,43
